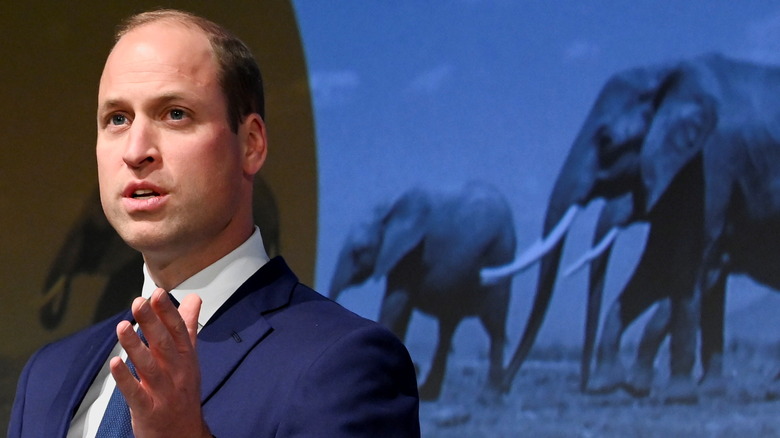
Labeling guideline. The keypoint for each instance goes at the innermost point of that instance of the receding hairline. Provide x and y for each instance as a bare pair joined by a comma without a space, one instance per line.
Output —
187,19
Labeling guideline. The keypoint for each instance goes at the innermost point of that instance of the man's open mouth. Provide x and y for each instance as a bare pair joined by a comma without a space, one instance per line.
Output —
144,194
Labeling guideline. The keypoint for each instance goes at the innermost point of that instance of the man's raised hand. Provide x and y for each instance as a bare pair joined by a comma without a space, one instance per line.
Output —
166,400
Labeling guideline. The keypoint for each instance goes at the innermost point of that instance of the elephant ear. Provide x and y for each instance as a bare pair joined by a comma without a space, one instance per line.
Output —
404,226
680,128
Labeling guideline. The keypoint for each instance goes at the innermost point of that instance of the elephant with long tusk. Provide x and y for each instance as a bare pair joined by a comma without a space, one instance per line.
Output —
429,246
669,242
668,267
696,145
602,163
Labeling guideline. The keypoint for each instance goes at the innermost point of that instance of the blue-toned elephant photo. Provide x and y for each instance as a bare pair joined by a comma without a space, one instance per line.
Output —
668,266
430,247
92,247
693,149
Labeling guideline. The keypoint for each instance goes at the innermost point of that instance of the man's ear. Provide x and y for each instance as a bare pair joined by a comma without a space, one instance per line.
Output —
254,143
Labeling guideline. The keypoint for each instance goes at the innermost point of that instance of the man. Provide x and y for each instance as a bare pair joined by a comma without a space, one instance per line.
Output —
250,351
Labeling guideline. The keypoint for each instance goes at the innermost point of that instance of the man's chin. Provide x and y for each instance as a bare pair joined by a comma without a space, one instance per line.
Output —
145,239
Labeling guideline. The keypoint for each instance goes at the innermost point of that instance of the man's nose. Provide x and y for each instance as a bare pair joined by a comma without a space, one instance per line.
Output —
142,148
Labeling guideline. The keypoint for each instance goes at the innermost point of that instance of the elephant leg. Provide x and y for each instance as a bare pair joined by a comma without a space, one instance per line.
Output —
712,331
686,320
431,389
685,323
636,297
640,377
395,312
495,326
596,279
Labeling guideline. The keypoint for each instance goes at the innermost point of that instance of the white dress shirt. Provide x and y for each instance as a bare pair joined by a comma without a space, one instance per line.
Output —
214,285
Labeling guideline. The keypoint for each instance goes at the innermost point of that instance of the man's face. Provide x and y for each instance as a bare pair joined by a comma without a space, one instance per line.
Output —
169,167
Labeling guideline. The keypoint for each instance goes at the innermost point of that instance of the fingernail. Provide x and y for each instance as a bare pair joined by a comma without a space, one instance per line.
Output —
125,327
143,308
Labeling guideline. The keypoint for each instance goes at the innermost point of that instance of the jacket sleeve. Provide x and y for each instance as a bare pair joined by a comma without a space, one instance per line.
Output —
363,385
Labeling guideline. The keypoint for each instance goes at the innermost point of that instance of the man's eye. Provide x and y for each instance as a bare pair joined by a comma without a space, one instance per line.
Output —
118,119
177,114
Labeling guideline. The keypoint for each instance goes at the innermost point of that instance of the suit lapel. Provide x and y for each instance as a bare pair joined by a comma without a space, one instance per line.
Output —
86,363
239,324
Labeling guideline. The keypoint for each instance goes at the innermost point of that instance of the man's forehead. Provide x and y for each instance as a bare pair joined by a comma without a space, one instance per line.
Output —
154,50
162,38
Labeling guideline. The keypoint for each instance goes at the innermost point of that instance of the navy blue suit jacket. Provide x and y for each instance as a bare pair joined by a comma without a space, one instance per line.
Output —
277,360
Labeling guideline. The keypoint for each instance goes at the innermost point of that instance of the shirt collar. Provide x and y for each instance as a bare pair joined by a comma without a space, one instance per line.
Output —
217,282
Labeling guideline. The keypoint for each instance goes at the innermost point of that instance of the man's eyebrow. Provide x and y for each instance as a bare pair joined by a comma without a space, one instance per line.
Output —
162,99
110,104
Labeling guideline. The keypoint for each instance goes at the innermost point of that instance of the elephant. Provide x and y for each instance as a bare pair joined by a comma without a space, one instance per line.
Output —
430,246
602,164
670,242
737,140
92,247
695,139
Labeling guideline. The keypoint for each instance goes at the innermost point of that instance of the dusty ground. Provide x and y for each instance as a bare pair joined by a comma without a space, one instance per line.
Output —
545,402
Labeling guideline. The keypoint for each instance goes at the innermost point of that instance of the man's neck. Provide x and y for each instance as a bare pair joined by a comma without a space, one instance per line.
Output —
215,283
170,270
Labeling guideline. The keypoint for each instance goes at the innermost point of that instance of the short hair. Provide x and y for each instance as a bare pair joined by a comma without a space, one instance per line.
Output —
238,73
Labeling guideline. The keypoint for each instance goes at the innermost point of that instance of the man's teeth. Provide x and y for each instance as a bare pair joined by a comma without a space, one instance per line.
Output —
144,193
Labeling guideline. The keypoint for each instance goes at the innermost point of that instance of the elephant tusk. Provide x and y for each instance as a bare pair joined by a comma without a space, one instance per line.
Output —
54,290
593,252
493,275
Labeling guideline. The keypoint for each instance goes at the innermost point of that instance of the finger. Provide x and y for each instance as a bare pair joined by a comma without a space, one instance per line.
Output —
122,375
127,383
153,329
173,320
161,354
130,341
190,311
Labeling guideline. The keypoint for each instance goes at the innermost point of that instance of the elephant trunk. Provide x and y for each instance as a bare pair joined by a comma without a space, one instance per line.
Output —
343,275
573,189
549,270
337,284
54,303
598,271
616,214
547,276
56,287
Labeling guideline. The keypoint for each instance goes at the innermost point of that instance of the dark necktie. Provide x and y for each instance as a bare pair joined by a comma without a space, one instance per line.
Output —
116,420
